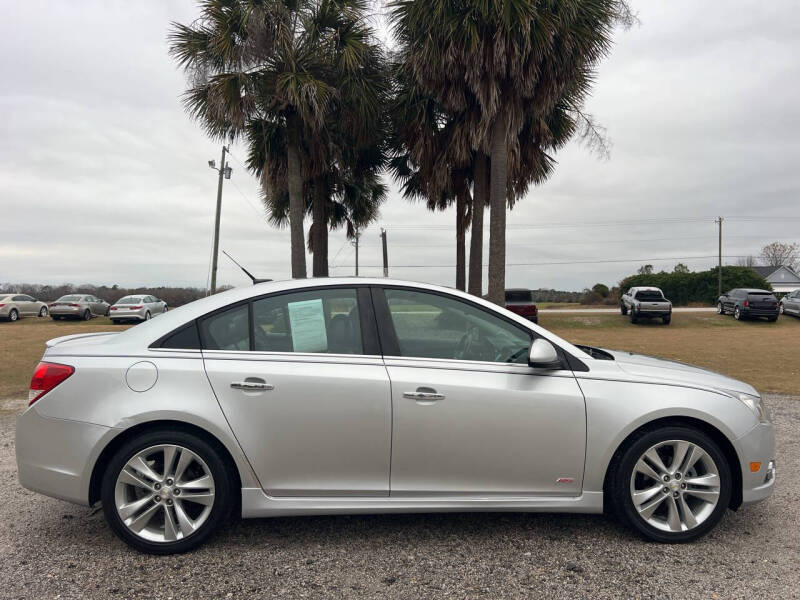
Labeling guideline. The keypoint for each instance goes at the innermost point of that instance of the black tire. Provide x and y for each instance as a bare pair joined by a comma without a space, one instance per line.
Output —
115,321
623,309
667,319
620,479
43,312
87,315
222,490
633,316
772,319
737,314
13,315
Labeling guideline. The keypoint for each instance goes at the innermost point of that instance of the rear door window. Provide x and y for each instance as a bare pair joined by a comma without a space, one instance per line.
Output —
227,330
317,321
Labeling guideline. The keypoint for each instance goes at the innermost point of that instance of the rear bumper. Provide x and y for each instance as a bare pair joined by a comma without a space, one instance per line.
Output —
66,311
55,456
759,312
758,445
653,313
124,315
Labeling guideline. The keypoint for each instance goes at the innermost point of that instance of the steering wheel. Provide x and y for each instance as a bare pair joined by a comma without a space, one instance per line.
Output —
463,346
475,346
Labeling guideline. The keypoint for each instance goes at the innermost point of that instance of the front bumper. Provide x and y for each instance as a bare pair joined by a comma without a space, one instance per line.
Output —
55,456
758,445
126,315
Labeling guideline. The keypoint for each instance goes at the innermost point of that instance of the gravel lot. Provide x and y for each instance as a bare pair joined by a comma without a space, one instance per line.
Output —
51,549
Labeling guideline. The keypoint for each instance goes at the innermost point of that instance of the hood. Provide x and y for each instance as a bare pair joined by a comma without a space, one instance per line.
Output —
670,371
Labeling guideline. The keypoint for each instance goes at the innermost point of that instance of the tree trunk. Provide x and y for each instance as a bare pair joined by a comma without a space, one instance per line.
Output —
319,213
461,249
294,178
497,213
479,197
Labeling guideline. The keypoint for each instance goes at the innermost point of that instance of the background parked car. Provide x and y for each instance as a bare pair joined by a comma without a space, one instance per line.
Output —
647,303
136,308
521,302
790,304
14,306
745,303
78,306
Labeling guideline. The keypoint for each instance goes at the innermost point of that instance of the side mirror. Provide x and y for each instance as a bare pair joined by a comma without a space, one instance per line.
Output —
543,355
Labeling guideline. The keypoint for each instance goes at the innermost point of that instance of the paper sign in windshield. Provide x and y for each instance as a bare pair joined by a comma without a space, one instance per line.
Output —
307,320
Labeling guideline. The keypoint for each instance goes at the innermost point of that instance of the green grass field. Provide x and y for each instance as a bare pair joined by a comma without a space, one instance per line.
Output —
761,353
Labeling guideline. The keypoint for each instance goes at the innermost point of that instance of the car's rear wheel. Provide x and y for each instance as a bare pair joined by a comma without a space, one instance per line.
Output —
166,492
623,309
115,321
43,312
672,484
147,316
667,319
87,314
737,314
781,309
13,315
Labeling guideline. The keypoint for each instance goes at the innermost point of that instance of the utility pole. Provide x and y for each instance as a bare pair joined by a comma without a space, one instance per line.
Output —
385,253
719,273
355,243
224,173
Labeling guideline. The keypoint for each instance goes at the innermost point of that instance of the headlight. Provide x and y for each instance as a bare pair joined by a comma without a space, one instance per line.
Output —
754,403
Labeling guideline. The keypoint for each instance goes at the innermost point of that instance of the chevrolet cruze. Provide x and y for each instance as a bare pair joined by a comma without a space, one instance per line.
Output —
371,395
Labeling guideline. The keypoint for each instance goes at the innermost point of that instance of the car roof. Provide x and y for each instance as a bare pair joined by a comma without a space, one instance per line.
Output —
645,288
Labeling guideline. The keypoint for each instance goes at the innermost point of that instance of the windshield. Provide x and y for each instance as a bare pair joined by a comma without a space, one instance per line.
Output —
130,300
72,298
649,295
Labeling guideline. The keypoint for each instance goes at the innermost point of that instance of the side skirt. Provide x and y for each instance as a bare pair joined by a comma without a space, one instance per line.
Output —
255,503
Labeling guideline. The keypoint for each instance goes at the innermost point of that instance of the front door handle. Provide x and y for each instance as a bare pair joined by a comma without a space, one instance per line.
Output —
423,396
252,386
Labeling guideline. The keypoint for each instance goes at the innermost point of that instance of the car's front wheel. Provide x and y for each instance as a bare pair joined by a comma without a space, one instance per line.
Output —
43,312
87,314
623,309
166,492
672,484
720,309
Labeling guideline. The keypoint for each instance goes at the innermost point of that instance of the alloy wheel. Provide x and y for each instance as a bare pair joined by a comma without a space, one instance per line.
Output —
164,493
43,312
675,486
13,315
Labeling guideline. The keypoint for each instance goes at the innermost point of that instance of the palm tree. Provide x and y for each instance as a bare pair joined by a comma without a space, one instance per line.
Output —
287,67
512,60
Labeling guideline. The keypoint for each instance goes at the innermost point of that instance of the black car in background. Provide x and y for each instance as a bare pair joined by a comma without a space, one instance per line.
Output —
746,303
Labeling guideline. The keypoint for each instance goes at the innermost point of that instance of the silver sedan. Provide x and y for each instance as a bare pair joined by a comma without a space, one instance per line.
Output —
136,308
344,396
78,306
16,306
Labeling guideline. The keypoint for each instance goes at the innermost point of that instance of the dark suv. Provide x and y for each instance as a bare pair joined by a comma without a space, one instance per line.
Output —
521,302
745,303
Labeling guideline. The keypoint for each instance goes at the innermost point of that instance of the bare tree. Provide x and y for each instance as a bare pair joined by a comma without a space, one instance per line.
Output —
746,261
778,254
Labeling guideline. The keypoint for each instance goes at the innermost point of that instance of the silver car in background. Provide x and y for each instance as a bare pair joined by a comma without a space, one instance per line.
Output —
136,308
16,306
78,306
355,395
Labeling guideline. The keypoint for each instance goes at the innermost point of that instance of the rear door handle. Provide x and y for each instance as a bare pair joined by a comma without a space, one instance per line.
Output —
252,386
423,396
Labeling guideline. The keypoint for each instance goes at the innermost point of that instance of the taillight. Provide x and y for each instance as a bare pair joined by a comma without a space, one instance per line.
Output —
46,376
113,308
73,304
135,307
2,304
746,303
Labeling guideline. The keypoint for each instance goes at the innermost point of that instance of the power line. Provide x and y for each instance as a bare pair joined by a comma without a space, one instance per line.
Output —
572,262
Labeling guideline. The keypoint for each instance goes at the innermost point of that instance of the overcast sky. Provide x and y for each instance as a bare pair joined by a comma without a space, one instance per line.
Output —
104,179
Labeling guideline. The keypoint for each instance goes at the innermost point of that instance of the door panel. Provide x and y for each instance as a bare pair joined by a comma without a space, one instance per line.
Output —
502,430
323,430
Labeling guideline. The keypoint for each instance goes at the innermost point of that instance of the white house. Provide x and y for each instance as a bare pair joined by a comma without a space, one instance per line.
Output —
782,279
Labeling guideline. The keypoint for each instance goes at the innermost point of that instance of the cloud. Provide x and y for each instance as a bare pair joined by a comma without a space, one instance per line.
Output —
104,177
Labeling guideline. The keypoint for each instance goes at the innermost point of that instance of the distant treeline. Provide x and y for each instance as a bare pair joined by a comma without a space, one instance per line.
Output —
701,286
173,296
542,295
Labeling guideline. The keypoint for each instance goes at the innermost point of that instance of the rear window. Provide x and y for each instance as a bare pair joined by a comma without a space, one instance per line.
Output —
72,298
649,295
130,300
760,294
519,296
